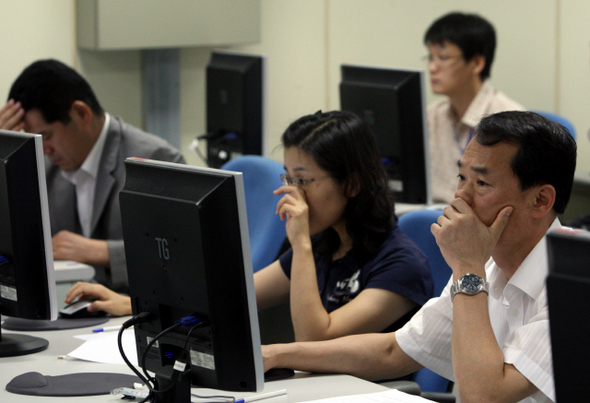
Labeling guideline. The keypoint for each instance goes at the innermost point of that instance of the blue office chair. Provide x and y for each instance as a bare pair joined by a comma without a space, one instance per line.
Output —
559,119
267,231
416,225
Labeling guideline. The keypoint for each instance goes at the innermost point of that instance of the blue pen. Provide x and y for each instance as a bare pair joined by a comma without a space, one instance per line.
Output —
105,329
262,396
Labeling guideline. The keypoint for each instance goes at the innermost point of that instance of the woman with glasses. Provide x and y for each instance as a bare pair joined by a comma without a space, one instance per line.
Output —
460,55
350,269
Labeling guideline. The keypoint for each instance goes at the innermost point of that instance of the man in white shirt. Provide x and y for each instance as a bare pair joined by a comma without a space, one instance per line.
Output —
85,150
460,55
514,179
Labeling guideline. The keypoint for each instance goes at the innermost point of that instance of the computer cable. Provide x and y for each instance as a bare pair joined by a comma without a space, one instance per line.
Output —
194,146
179,366
136,319
229,399
152,384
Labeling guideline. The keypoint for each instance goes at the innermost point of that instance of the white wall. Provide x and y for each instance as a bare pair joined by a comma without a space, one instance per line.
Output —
34,29
391,33
574,74
293,40
542,58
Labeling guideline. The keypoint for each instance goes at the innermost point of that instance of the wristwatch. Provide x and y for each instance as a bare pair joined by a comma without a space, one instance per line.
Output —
469,284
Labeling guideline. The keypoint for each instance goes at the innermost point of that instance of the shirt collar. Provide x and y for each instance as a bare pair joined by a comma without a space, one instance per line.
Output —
92,161
478,106
531,274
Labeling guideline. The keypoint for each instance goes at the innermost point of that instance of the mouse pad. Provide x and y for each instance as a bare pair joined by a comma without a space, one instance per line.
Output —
82,384
28,325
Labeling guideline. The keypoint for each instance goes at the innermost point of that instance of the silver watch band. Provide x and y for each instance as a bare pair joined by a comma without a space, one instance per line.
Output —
470,284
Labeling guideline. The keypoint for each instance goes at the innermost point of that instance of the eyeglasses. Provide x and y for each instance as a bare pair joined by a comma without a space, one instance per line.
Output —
441,60
299,181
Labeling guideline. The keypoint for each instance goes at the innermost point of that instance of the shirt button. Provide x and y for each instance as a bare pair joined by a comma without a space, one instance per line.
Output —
514,312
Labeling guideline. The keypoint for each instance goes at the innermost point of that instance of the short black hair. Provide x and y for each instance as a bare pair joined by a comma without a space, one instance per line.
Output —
473,34
52,87
546,150
343,145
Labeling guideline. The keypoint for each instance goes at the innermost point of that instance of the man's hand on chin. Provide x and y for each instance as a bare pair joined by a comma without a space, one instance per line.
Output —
464,240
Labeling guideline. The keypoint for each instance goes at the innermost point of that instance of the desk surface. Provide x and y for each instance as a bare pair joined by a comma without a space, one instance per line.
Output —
301,388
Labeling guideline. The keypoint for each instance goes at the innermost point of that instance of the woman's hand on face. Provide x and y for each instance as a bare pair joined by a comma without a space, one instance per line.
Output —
293,208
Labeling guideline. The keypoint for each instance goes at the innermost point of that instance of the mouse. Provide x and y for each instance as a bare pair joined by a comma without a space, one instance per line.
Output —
77,309
276,374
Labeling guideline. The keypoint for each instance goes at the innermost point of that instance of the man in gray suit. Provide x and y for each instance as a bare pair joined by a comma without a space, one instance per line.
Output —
85,150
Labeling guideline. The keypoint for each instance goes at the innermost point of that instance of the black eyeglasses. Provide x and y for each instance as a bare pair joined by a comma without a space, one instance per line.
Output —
299,181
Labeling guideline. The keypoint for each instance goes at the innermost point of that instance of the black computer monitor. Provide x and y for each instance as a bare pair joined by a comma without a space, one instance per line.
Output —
392,101
27,280
234,106
188,254
568,296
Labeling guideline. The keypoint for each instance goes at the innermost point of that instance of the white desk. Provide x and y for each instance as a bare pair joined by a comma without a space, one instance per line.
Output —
300,388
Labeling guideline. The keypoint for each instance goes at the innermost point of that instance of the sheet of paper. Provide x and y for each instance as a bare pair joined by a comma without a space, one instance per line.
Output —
388,396
102,347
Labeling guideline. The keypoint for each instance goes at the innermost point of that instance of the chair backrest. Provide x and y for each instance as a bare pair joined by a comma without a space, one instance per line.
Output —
267,231
416,225
559,119
431,381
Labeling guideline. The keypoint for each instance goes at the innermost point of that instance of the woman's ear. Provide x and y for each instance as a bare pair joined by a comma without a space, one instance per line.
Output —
354,186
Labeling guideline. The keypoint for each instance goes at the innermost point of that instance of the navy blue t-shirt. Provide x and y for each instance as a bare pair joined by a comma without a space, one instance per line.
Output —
399,267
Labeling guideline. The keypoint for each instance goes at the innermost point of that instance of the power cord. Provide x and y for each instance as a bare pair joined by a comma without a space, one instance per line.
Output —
136,319
147,379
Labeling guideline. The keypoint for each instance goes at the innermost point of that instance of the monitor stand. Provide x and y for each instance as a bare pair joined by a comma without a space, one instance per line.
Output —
20,344
35,325
173,390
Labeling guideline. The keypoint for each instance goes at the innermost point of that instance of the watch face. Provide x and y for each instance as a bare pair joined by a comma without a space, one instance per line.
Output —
471,284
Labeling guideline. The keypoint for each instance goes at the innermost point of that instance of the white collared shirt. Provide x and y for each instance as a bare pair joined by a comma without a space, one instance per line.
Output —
520,321
84,179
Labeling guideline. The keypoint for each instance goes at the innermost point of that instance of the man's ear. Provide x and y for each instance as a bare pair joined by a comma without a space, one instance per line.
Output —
544,200
80,111
479,63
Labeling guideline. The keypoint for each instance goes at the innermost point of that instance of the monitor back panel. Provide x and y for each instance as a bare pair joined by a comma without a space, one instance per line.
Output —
568,292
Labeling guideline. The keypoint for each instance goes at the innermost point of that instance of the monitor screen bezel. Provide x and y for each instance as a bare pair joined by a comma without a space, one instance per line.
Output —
47,271
245,134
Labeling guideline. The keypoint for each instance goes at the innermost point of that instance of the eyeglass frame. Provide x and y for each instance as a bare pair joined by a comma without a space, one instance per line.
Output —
442,60
300,182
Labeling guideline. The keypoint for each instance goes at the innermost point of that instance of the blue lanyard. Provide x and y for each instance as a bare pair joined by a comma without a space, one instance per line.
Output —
462,148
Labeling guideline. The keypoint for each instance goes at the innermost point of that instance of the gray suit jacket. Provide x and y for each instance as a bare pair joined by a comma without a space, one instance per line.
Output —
123,141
